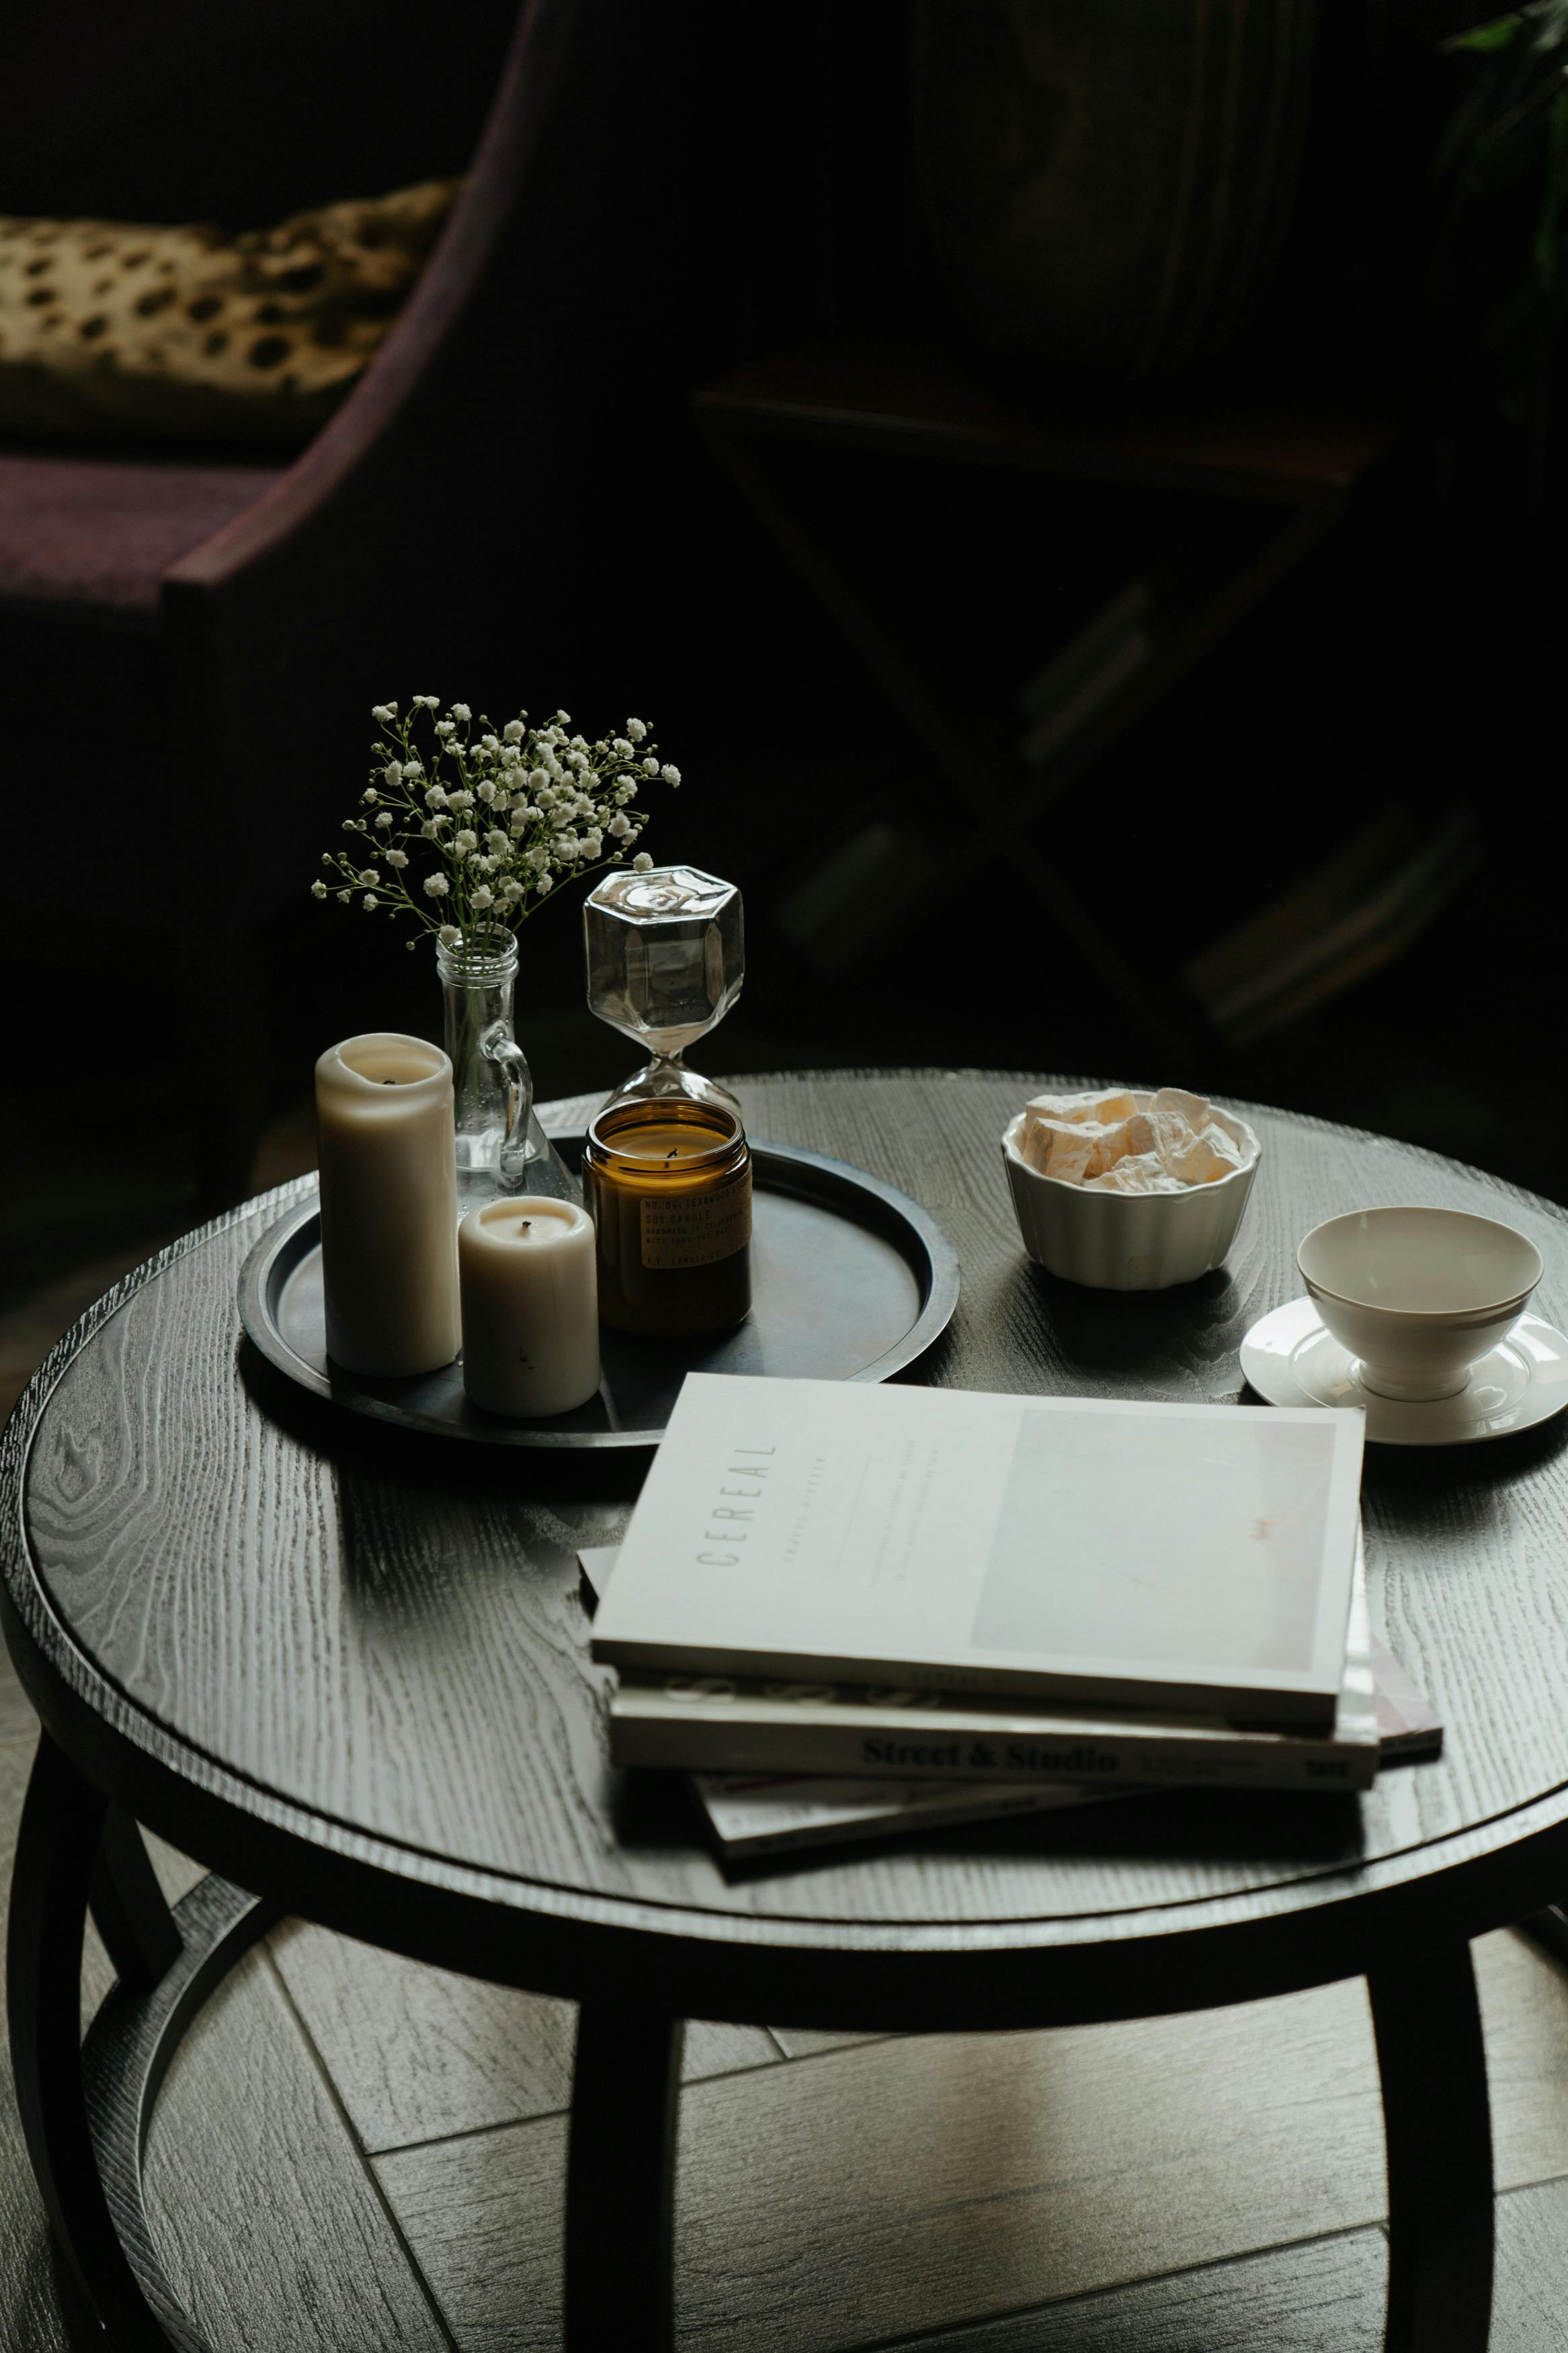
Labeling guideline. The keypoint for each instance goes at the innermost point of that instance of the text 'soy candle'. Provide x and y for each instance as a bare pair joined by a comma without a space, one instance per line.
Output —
530,1313
389,1204
669,1183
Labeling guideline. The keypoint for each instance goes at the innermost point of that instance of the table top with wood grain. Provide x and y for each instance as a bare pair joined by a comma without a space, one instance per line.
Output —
349,1668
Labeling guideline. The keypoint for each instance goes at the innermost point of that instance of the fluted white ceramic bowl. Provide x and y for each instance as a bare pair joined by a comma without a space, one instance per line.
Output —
1128,1241
1417,1295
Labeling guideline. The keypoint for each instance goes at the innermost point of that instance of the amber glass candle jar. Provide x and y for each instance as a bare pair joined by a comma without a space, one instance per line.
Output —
668,1184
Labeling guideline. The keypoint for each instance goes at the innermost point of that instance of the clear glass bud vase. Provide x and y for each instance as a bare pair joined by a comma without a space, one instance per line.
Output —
501,1148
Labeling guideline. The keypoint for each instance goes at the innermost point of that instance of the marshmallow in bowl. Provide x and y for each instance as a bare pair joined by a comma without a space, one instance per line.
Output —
1102,1140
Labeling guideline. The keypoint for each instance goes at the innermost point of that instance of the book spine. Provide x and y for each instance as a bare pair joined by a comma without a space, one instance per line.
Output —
978,1806
1047,736
716,1744
1260,1703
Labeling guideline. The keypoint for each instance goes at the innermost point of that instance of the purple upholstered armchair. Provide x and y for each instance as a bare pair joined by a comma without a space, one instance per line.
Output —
251,611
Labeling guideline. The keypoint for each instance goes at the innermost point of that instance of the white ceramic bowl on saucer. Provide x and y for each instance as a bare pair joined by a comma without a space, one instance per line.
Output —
1128,1241
1417,1295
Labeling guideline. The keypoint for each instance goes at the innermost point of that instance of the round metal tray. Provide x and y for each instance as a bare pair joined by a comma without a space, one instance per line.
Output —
851,1282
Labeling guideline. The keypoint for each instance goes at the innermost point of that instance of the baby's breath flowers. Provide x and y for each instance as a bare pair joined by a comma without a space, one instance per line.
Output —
475,832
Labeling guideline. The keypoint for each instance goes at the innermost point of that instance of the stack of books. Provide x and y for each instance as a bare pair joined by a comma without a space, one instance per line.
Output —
848,1609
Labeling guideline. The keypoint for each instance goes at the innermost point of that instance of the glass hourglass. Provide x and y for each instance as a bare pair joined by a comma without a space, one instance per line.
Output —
665,957
667,1172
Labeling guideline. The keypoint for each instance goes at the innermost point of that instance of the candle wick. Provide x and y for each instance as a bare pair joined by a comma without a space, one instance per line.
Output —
672,1152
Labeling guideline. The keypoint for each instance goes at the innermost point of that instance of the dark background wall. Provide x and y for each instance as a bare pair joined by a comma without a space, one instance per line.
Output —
768,186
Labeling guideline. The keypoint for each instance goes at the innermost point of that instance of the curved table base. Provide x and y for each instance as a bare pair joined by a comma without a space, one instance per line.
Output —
123,2063
86,2107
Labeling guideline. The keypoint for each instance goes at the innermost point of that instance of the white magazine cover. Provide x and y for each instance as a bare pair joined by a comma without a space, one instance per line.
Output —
1131,1553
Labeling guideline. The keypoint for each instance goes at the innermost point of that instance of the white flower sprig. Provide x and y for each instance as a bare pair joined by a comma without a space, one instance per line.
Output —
477,831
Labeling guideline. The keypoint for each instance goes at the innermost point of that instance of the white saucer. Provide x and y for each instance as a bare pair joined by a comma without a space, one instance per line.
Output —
1291,1360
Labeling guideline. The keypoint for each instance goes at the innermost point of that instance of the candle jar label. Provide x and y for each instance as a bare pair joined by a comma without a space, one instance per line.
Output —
696,1229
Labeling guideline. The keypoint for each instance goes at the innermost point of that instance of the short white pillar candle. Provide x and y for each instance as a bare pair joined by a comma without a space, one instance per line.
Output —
389,1204
530,1306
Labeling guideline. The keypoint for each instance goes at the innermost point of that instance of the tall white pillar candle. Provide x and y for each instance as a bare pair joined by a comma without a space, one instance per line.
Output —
531,1306
389,1204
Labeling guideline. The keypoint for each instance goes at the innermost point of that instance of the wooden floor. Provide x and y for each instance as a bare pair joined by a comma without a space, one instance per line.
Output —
354,2154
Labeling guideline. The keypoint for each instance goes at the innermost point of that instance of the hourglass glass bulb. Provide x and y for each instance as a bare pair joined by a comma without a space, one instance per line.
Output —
666,960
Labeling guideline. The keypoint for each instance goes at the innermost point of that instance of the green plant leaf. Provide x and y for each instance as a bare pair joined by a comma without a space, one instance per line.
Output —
1495,36
1548,246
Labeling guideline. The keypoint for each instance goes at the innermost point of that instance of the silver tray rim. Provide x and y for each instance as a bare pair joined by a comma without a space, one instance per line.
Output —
788,1168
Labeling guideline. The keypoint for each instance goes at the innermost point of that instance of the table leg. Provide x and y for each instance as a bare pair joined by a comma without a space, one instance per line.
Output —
1549,1929
620,2181
1432,2061
128,1907
57,1849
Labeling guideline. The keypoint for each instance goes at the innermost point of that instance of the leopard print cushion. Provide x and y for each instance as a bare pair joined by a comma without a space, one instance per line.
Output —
107,329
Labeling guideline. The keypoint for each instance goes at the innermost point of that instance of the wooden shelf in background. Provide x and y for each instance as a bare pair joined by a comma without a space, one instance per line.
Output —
915,404
920,404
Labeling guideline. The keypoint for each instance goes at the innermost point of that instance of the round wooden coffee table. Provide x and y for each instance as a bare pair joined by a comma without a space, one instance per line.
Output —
347,1670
